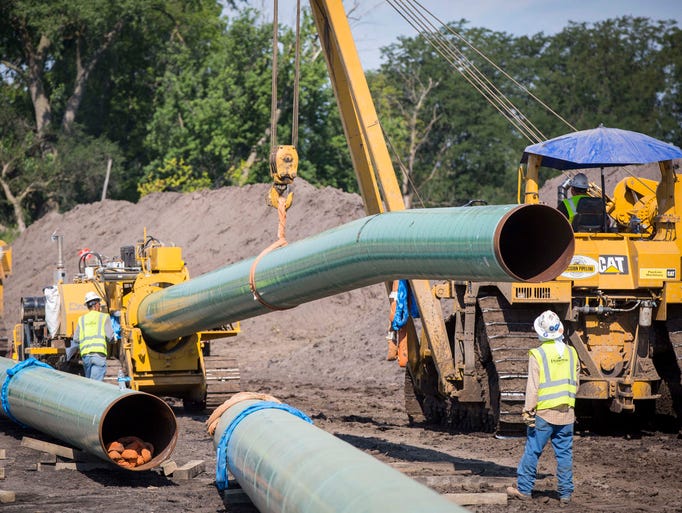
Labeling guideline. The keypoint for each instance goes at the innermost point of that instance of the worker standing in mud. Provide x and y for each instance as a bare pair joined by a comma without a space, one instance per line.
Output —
553,370
92,334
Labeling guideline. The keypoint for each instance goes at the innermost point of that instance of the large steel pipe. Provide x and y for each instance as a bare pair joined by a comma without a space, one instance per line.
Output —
497,243
284,463
85,413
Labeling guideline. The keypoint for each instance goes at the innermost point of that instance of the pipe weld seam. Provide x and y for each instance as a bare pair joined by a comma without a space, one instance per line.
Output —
10,373
221,450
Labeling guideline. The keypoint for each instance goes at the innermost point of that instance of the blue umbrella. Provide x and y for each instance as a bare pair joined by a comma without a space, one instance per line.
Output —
601,147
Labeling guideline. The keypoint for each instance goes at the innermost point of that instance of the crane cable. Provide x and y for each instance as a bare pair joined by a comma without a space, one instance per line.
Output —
282,200
472,73
413,12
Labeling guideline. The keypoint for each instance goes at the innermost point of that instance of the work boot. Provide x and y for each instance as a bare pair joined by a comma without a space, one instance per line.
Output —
514,493
564,502
392,351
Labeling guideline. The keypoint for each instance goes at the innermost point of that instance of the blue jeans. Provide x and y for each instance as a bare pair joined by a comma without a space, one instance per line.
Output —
562,443
95,366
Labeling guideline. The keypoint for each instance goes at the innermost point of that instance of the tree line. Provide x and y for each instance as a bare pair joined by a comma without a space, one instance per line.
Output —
177,97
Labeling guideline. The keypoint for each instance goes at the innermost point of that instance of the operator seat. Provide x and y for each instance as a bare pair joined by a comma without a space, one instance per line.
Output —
589,215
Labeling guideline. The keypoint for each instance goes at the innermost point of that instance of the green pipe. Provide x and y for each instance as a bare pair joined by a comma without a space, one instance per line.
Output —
284,463
85,413
491,243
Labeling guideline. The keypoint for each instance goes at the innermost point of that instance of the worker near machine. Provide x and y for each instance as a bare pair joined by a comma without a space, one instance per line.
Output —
92,334
553,370
569,206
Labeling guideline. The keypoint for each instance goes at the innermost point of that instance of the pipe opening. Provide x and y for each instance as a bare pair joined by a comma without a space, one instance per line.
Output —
144,416
535,243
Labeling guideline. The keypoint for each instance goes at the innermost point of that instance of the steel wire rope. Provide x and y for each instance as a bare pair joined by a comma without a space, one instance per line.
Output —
443,45
501,70
467,69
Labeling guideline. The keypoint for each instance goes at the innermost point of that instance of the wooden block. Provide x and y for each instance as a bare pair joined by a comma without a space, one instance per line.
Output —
48,458
189,469
465,482
470,499
3,454
418,466
83,466
2,472
235,496
58,450
168,467
6,496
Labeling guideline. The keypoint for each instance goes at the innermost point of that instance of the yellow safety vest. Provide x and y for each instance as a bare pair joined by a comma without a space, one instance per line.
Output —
558,381
91,333
572,205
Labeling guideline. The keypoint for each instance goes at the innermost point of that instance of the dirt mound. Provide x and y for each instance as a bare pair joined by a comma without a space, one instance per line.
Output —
336,339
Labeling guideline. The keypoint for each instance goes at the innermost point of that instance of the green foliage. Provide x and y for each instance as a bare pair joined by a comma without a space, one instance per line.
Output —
174,176
623,72
213,110
179,99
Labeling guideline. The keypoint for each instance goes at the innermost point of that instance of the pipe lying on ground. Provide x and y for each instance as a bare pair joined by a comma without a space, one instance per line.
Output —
85,413
284,463
491,243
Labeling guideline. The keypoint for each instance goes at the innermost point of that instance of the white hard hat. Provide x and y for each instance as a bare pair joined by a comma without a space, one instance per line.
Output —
91,296
579,181
548,326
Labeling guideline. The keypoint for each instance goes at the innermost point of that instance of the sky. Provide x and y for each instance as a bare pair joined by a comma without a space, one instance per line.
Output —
375,23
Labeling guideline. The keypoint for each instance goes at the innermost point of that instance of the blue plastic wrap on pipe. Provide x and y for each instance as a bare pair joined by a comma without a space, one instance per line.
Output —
492,243
283,463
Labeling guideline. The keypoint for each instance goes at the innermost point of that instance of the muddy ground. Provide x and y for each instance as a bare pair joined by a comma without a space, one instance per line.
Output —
326,358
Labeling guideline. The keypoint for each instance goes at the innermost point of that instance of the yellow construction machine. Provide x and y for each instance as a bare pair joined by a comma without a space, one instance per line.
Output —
181,367
621,298
5,271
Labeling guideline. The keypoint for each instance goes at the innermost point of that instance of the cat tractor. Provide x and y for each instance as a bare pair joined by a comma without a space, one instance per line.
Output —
182,367
620,299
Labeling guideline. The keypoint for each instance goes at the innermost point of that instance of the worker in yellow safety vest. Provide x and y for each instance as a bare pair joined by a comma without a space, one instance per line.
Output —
579,185
92,334
553,370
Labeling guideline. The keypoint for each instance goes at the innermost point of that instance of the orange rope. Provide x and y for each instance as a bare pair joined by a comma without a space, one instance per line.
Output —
280,242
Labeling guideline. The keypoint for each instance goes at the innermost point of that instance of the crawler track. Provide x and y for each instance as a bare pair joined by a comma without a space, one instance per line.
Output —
668,362
507,336
222,379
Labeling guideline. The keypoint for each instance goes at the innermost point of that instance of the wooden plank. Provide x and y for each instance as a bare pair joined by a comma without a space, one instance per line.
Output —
469,483
168,467
7,496
470,499
445,467
58,450
83,466
2,472
189,470
48,458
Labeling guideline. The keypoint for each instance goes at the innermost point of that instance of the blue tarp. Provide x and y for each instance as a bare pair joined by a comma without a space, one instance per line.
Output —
601,147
